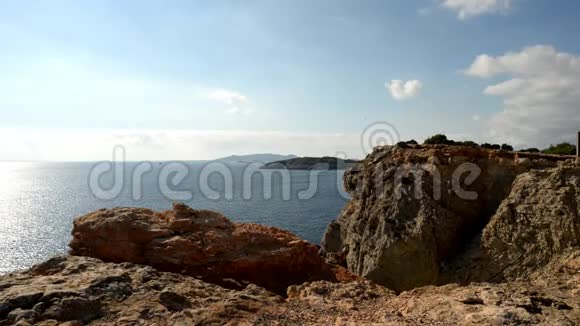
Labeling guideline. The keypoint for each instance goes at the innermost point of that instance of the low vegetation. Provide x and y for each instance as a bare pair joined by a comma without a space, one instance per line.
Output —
530,150
560,149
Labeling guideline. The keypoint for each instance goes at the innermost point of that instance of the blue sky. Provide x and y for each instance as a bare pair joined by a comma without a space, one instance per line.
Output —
296,76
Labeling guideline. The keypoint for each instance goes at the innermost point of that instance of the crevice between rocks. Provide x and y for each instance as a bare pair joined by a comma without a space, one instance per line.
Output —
470,263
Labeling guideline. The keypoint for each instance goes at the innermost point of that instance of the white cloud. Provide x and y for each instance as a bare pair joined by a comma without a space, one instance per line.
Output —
72,88
476,117
541,95
234,99
227,97
466,9
404,90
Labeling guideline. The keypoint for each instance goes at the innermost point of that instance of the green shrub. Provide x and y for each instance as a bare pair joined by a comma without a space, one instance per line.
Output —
468,143
561,149
507,147
530,150
437,139
491,146
405,144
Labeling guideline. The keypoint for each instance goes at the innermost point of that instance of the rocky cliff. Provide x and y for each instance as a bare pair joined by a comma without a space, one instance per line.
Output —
437,214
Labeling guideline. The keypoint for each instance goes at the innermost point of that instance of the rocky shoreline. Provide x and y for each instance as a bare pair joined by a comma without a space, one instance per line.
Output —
412,247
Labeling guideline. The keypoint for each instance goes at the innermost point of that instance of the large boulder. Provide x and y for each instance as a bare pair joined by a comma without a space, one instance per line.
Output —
203,244
415,209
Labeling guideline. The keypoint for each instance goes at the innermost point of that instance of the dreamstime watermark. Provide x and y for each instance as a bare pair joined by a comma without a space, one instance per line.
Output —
379,133
179,181
219,181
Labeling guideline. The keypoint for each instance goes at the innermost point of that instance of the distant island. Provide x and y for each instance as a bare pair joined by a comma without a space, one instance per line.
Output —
256,158
311,163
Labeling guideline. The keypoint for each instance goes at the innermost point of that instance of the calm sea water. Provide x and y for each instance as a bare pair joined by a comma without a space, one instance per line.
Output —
38,202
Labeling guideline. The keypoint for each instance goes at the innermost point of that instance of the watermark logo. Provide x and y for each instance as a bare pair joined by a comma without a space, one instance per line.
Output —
117,168
179,181
379,133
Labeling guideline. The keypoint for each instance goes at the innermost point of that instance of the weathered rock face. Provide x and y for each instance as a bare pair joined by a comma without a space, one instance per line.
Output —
404,219
415,209
539,220
204,244
80,290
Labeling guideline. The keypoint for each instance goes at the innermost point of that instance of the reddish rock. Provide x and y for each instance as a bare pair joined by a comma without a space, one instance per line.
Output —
200,243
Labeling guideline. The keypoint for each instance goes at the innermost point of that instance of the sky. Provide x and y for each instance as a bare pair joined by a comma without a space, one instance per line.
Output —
190,80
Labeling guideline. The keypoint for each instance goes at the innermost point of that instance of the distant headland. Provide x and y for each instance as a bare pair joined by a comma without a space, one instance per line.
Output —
312,163
256,158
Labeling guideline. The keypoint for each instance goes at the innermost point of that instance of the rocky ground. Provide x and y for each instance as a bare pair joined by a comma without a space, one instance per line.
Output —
80,290
511,256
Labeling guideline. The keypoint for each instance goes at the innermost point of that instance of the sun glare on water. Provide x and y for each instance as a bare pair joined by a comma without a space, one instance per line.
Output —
15,183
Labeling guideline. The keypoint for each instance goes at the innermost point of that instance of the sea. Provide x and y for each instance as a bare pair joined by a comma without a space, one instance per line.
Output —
39,200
